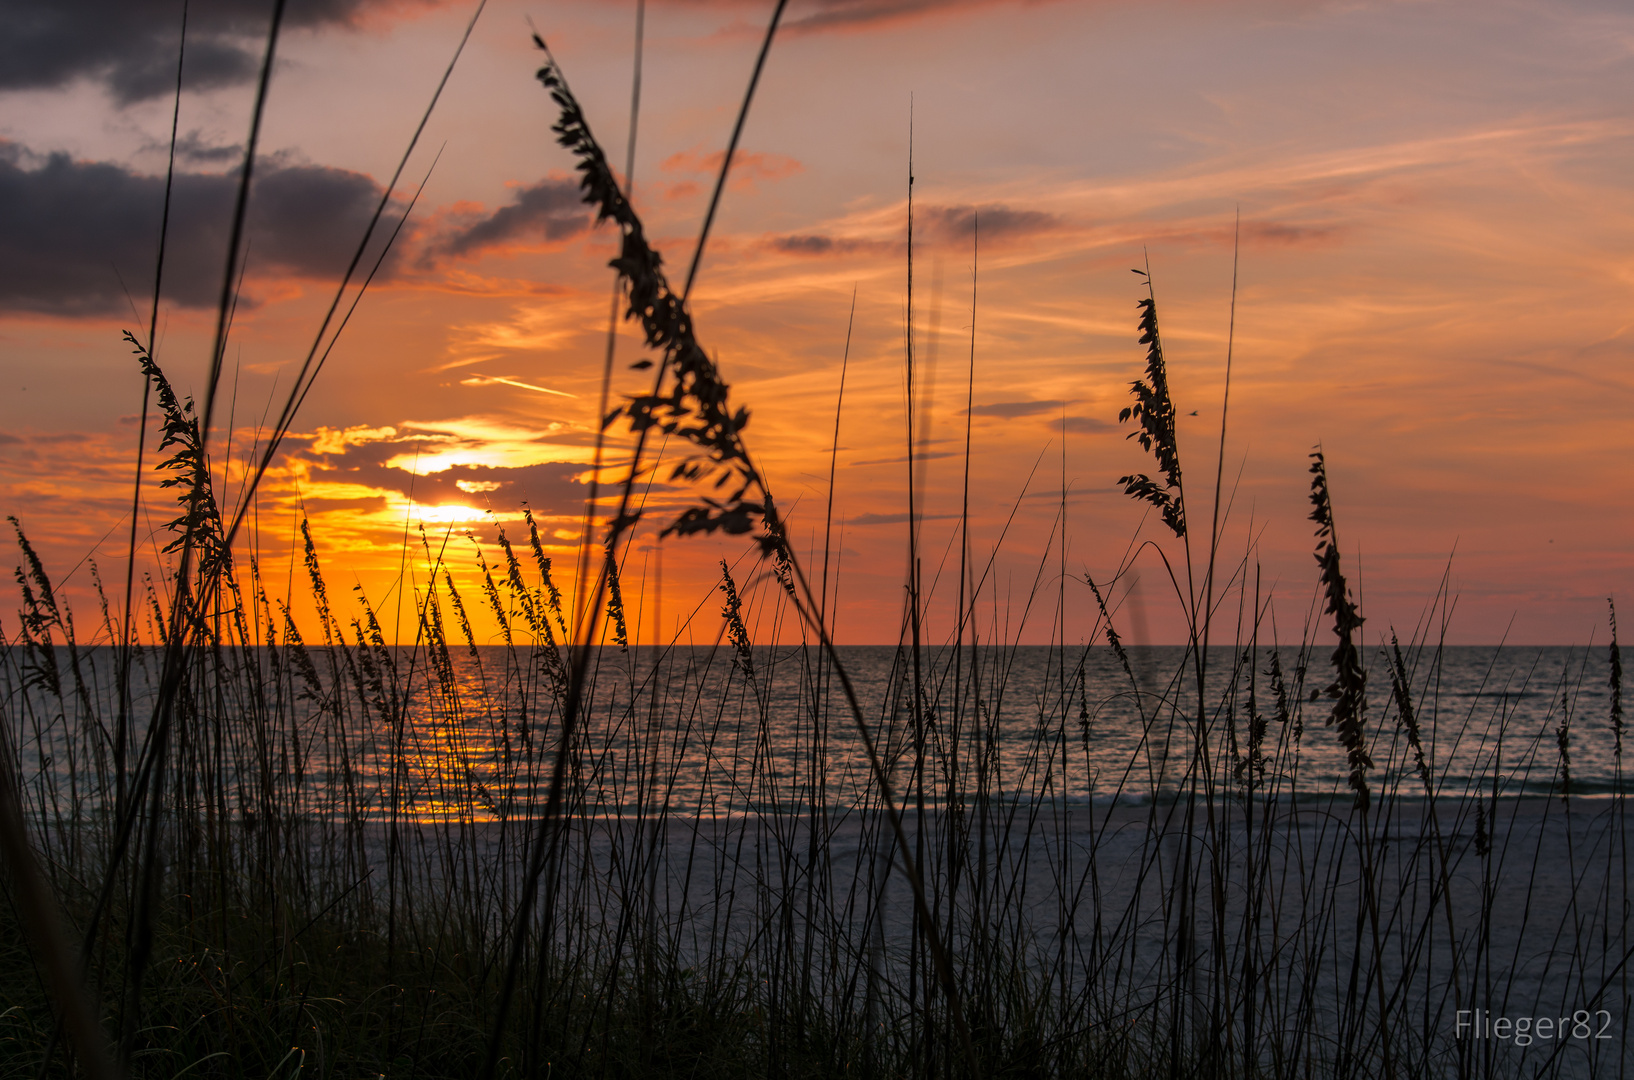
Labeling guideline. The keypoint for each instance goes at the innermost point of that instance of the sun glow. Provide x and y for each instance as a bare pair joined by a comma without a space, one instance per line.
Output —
449,514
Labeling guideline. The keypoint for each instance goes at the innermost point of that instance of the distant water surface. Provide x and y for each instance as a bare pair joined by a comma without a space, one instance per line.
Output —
700,730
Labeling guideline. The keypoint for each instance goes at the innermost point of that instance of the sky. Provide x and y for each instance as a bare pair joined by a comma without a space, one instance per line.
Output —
1409,220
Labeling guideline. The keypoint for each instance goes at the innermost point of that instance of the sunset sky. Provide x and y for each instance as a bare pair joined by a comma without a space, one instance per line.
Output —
1434,283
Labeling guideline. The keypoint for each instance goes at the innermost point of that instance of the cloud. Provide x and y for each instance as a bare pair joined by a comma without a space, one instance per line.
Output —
193,148
479,379
816,244
998,222
1272,233
548,211
75,234
131,45
1009,410
307,219
330,441
1085,425
553,486
434,467
855,14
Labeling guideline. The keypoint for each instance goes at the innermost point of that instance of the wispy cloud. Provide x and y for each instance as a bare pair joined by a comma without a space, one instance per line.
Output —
844,15
884,232
501,380
750,169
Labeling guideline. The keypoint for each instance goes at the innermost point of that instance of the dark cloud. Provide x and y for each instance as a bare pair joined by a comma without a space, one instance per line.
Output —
817,244
932,224
998,222
804,245
131,45
550,210
1272,232
853,14
1009,410
548,486
308,219
819,16
193,149
74,235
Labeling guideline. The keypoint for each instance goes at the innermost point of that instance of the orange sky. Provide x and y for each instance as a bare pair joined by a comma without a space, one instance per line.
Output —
1434,284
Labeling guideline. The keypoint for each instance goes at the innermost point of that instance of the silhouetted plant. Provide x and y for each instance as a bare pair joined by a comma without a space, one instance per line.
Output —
736,632
39,614
1563,745
690,401
1154,411
615,602
552,593
1348,689
1251,768
1401,690
200,518
1616,682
